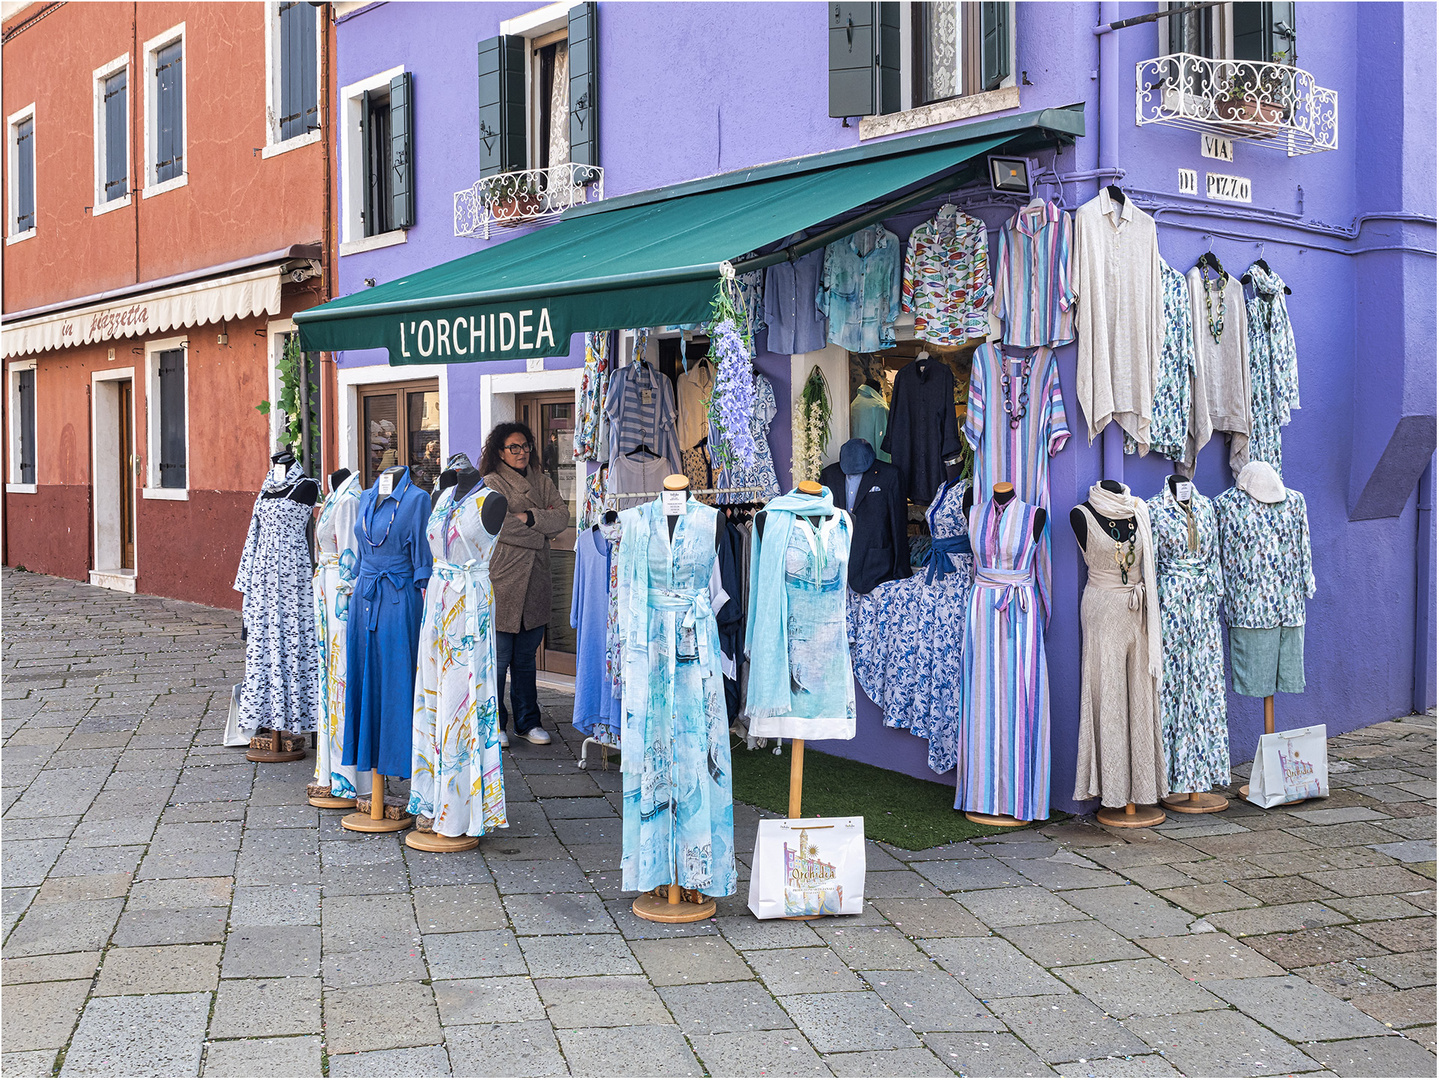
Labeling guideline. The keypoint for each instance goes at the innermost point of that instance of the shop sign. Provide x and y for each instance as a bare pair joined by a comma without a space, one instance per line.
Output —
100,325
475,337
1227,188
1213,146
1188,182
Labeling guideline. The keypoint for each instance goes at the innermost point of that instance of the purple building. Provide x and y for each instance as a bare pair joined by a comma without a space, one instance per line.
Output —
1331,182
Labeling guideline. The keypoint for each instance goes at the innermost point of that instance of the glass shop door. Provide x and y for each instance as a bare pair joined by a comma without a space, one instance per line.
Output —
552,418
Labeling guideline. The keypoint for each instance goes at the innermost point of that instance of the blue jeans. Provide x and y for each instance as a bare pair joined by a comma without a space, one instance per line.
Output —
515,655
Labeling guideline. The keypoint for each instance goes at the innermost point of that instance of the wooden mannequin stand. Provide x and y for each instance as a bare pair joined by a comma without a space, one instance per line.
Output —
668,903
421,840
332,802
376,821
1195,802
1131,817
256,753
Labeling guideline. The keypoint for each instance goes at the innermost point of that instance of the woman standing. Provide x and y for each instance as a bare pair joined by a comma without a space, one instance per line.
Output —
520,570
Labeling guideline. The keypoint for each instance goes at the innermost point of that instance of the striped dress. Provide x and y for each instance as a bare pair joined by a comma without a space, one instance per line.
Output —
1033,295
1004,685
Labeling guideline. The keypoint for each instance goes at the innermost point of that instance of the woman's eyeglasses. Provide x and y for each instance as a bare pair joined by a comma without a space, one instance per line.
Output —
518,448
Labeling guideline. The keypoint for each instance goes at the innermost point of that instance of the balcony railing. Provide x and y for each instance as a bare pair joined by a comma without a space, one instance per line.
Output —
1238,99
507,200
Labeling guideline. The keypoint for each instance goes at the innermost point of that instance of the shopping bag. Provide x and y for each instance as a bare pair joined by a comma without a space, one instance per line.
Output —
808,866
1290,766
235,735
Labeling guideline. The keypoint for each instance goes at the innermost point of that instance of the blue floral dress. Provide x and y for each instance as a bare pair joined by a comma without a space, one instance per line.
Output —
907,635
1273,367
761,474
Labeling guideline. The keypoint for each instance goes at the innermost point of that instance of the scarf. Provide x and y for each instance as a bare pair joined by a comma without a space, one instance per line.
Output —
766,639
1124,505
1259,481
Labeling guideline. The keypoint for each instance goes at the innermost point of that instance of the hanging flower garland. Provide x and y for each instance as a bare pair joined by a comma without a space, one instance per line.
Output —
732,405
812,416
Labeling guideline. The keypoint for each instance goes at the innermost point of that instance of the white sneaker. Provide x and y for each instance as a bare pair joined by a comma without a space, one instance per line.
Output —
537,735
504,739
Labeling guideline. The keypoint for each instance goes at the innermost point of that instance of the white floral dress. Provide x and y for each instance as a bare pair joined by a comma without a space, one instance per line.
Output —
761,474
334,584
455,770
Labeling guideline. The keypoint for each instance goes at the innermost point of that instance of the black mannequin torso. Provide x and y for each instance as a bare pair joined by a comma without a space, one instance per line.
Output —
1121,529
1002,497
338,477
304,490
673,519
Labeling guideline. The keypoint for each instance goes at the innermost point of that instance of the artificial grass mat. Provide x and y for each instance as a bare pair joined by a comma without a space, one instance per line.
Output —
897,809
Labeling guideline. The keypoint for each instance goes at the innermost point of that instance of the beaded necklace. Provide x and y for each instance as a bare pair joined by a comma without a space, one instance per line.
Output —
1016,410
1216,326
1122,558
366,519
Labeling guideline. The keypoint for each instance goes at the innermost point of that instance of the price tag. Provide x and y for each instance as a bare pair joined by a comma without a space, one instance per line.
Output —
387,484
1184,491
672,503
647,397
278,472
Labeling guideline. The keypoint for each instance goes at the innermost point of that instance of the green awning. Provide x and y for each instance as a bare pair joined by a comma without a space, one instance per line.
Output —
649,259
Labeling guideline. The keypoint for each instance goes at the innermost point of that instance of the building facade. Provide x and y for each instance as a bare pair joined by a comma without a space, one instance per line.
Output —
165,193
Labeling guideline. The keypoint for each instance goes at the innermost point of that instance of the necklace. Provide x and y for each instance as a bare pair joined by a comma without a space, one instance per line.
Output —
1016,410
1123,559
1216,326
365,520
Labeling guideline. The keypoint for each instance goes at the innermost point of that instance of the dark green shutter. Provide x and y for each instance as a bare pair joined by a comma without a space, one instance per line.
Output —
402,151
887,56
26,389
584,84
367,199
863,58
502,105
172,418
994,44
299,110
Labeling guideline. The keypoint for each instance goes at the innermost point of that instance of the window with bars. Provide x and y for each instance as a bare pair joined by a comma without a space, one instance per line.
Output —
24,166
170,374
299,106
24,469
169,111
115,141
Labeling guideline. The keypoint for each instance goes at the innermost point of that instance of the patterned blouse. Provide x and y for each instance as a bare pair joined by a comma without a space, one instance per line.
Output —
1033,293
1170,422
1273,366
859,293
591,430
1268,568
946,278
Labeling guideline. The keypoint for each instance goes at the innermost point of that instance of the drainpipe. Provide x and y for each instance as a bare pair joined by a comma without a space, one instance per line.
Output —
1111,440
1423,612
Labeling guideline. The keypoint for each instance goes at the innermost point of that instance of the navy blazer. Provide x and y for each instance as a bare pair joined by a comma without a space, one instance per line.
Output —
879,551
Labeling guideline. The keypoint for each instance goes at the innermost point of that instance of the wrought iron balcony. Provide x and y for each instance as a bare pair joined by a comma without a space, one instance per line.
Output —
506,200
1243,100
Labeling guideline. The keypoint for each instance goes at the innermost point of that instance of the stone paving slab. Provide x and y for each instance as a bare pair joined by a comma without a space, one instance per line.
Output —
167,899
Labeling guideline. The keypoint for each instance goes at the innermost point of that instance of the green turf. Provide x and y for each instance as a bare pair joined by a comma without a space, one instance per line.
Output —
898,809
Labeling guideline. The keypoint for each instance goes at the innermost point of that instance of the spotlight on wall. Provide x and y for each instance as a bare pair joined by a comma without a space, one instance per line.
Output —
1010,174
224,337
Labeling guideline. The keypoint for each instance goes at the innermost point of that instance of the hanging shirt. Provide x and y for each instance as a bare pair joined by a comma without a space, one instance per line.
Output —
1273,366
641,409
1032,291
924,428
1169,424
693,388
1221,368
1119,308
869,419
1264,550
796,324
946,278
859,289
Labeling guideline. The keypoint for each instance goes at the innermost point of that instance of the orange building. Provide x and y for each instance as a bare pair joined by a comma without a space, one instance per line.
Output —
165,187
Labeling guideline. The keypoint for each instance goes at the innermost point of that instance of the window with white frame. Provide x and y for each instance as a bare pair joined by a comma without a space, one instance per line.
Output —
377,152
20,140
22,424
112,135
950,49
165,112
293,103
1262,32
167,415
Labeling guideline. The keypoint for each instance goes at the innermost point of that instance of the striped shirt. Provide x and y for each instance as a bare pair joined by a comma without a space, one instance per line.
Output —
1033,294
641,408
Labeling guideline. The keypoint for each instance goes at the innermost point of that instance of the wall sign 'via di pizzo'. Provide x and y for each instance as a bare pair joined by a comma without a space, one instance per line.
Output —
1227,188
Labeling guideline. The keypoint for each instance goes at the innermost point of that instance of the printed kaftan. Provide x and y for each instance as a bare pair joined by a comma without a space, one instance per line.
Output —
1003,765
1169,425
282,685
678,796
334,585
1194,719
597,706
760,475
908,634
455,774
1273,367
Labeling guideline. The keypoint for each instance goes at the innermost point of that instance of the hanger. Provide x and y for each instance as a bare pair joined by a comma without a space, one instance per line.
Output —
1211,260
1259,262
641,449
1116,194
921,359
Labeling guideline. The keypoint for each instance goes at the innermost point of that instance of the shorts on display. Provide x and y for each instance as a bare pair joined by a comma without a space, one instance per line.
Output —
1267,661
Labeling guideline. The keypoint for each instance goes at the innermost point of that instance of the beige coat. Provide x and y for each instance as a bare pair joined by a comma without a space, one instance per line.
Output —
520,565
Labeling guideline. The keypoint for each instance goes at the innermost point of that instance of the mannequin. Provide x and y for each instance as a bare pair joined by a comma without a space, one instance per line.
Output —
676,482
1122,529
1003,493
304,490
338,477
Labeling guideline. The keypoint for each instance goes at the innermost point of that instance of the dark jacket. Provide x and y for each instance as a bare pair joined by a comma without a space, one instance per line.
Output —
880,549
923,427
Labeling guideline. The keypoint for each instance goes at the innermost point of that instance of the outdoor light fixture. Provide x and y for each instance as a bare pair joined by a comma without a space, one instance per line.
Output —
1011,174
224,337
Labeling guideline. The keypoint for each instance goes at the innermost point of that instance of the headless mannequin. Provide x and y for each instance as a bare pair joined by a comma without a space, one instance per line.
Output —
304,490
1121,529
338,477
680,482
1003,493
492,513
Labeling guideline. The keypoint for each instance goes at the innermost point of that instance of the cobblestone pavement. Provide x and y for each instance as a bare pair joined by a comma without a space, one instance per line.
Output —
170,909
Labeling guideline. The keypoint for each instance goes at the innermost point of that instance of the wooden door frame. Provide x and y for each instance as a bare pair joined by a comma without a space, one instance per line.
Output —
565,662
104,479
402,415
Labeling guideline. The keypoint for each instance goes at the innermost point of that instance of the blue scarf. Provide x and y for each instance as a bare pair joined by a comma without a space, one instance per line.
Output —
766,630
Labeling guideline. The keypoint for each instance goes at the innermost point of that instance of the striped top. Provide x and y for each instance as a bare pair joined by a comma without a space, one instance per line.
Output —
1015,443
1033,294
641,408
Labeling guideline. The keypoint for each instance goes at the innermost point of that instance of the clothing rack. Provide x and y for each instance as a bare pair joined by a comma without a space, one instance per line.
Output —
693,491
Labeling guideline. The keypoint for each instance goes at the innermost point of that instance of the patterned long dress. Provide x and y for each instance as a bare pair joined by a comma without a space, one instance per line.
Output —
334,585
761,474
1273,367
1194,719
455,773
282,682
1015,433
1004,689
1169,424
908,634
678,794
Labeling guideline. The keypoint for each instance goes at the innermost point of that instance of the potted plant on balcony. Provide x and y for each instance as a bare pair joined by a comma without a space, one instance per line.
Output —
1259,95
514,197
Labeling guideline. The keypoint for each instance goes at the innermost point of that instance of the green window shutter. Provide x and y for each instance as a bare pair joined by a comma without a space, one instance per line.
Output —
502,105
172,418
367,196
402,152
887,55
994,35
584,84
27,426
852,83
